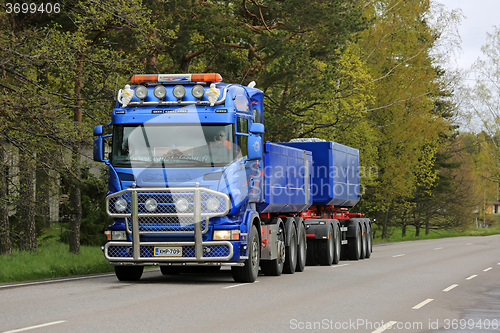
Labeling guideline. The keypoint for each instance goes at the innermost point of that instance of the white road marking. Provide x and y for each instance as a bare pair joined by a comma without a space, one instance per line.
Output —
238,285
339,265
399,255
487,269
438,248
36,326
471,277
384,327
419,305
53,281
451,287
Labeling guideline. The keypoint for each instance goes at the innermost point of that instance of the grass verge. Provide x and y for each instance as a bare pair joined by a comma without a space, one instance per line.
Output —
52,260
395,234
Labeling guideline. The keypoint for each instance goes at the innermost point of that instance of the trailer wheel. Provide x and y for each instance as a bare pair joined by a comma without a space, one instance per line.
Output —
129,273
364,242
326,248
354,245
311,252
338,245
368,252
291,252
275,267
249,272
301,250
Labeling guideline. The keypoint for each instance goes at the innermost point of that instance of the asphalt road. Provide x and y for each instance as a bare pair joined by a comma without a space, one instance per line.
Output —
446,285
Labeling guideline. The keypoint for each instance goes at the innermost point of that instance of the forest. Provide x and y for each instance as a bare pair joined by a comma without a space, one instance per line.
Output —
370,74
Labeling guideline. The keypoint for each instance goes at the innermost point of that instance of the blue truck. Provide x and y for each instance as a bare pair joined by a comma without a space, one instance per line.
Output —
193,185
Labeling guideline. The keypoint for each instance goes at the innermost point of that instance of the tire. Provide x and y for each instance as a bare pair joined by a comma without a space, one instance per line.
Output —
129,273
249,272
363,242
326,248
301,250
354,245
338,245
291,252
311,253
170,270
369,243
275,267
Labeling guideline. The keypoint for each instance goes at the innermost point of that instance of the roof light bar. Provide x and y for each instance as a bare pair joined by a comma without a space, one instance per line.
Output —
176,78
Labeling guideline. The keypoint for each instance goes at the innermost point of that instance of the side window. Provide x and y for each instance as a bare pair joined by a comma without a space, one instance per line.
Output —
242,134
257,116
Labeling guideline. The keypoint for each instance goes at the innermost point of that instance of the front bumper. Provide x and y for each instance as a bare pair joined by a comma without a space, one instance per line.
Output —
166,220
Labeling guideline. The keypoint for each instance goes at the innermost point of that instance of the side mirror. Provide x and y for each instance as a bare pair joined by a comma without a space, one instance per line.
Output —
257,128
98,148
98,130
254,146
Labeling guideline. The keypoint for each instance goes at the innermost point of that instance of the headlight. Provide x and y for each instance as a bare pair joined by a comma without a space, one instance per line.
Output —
120,205
198,91
213,204
119,235
141,92
226,234
179,91
151,205
182,205
160,92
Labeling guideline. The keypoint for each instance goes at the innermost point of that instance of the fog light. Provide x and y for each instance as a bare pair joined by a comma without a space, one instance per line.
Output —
151,205
181,205
213,204
120,205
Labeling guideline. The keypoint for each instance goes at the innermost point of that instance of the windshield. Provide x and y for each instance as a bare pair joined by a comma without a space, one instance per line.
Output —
172,146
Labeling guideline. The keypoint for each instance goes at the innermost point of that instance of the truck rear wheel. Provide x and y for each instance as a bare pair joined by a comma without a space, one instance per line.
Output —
301,249
354,245
249,272
129,273
291,252
275,267
326,248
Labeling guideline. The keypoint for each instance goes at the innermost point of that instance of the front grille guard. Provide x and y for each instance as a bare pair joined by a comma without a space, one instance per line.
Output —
197,210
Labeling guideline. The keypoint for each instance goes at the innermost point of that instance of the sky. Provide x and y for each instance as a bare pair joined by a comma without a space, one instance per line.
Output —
480,17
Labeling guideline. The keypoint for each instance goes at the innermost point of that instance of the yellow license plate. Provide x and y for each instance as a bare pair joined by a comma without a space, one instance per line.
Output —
168,252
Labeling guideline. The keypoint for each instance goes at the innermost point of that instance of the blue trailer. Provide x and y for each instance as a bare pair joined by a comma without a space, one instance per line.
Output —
193,183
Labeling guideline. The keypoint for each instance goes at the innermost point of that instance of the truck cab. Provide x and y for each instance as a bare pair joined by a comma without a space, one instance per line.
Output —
184,172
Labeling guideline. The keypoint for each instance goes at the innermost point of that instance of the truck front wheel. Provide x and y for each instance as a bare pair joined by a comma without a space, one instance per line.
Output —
249,272
129,273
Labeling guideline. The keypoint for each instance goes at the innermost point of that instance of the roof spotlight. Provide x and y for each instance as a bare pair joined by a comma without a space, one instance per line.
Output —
141,92
179,91
198,91
160,92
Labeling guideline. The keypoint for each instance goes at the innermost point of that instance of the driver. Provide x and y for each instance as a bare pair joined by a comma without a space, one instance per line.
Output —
220,140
